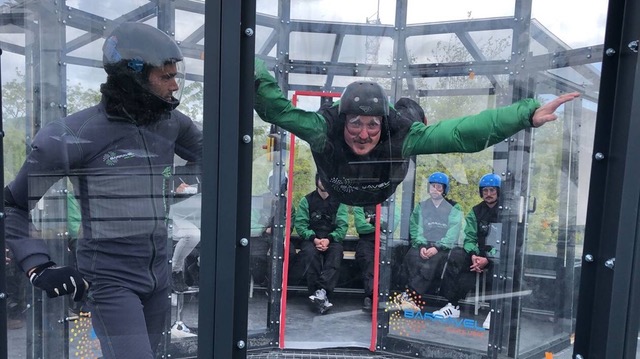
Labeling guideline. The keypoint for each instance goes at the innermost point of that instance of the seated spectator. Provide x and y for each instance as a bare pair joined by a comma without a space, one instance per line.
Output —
263,221
435,228
463,264
321,223
365,223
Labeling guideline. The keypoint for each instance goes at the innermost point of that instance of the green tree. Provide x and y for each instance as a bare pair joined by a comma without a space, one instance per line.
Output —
13,122
79,98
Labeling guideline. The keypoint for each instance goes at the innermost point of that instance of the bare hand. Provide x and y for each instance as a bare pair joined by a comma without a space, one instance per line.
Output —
322,244
478,263
545,113
181,187
427,253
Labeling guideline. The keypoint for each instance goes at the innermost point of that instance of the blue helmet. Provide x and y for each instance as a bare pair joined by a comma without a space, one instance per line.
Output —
443,179
489,180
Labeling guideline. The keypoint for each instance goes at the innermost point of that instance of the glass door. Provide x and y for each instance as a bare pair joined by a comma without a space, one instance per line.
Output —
452,64
111,191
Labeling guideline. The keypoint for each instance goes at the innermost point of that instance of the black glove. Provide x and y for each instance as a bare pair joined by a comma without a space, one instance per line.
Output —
58,281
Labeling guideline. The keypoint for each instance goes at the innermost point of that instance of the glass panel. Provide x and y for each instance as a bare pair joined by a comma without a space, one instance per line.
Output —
454,61
268,220
111,189
365,11
418,12
547,30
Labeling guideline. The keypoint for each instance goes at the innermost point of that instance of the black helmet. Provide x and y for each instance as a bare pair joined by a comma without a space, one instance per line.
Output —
410,109
133,49
364,98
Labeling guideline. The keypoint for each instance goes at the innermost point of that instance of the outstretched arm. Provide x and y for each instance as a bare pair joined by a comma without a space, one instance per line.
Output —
274,107
477,132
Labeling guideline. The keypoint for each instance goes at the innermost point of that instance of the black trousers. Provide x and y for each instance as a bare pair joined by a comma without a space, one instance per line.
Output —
424,274
458,279
322,269
365,250
129,325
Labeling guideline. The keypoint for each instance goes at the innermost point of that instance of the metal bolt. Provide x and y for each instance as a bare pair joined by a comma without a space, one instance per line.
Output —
610,263
588,257
244,242
248,31
240,344
3,295
578,356
599,156
610,52
246,138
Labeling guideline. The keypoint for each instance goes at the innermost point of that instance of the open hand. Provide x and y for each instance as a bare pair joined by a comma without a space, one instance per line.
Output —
545,113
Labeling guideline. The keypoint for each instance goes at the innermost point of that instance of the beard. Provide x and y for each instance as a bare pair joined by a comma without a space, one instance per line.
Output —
125,97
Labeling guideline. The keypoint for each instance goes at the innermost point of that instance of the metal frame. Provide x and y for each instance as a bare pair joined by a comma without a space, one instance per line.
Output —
228,95
613,182
608,285
3,284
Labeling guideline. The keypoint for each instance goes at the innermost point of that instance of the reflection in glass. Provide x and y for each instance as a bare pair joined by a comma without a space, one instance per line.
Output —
98,186
453,61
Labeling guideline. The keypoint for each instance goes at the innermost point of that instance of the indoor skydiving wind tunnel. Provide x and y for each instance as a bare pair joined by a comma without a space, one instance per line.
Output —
398,202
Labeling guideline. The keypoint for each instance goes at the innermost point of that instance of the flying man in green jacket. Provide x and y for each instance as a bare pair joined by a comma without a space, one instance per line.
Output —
361,144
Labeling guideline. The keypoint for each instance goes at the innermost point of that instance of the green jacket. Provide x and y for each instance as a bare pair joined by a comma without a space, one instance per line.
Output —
360,221
302,222
360,216
465,134
474,242
448,223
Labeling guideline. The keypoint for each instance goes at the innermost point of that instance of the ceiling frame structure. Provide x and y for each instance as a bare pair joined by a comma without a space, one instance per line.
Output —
18,17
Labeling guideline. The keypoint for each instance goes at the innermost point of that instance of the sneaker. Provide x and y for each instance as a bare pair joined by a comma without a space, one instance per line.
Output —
406,303
177,282
487,322
324,306
368,305
319,296
448,311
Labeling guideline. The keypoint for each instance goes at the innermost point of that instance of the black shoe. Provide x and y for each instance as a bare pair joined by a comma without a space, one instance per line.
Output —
177,282
367,306
324,306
